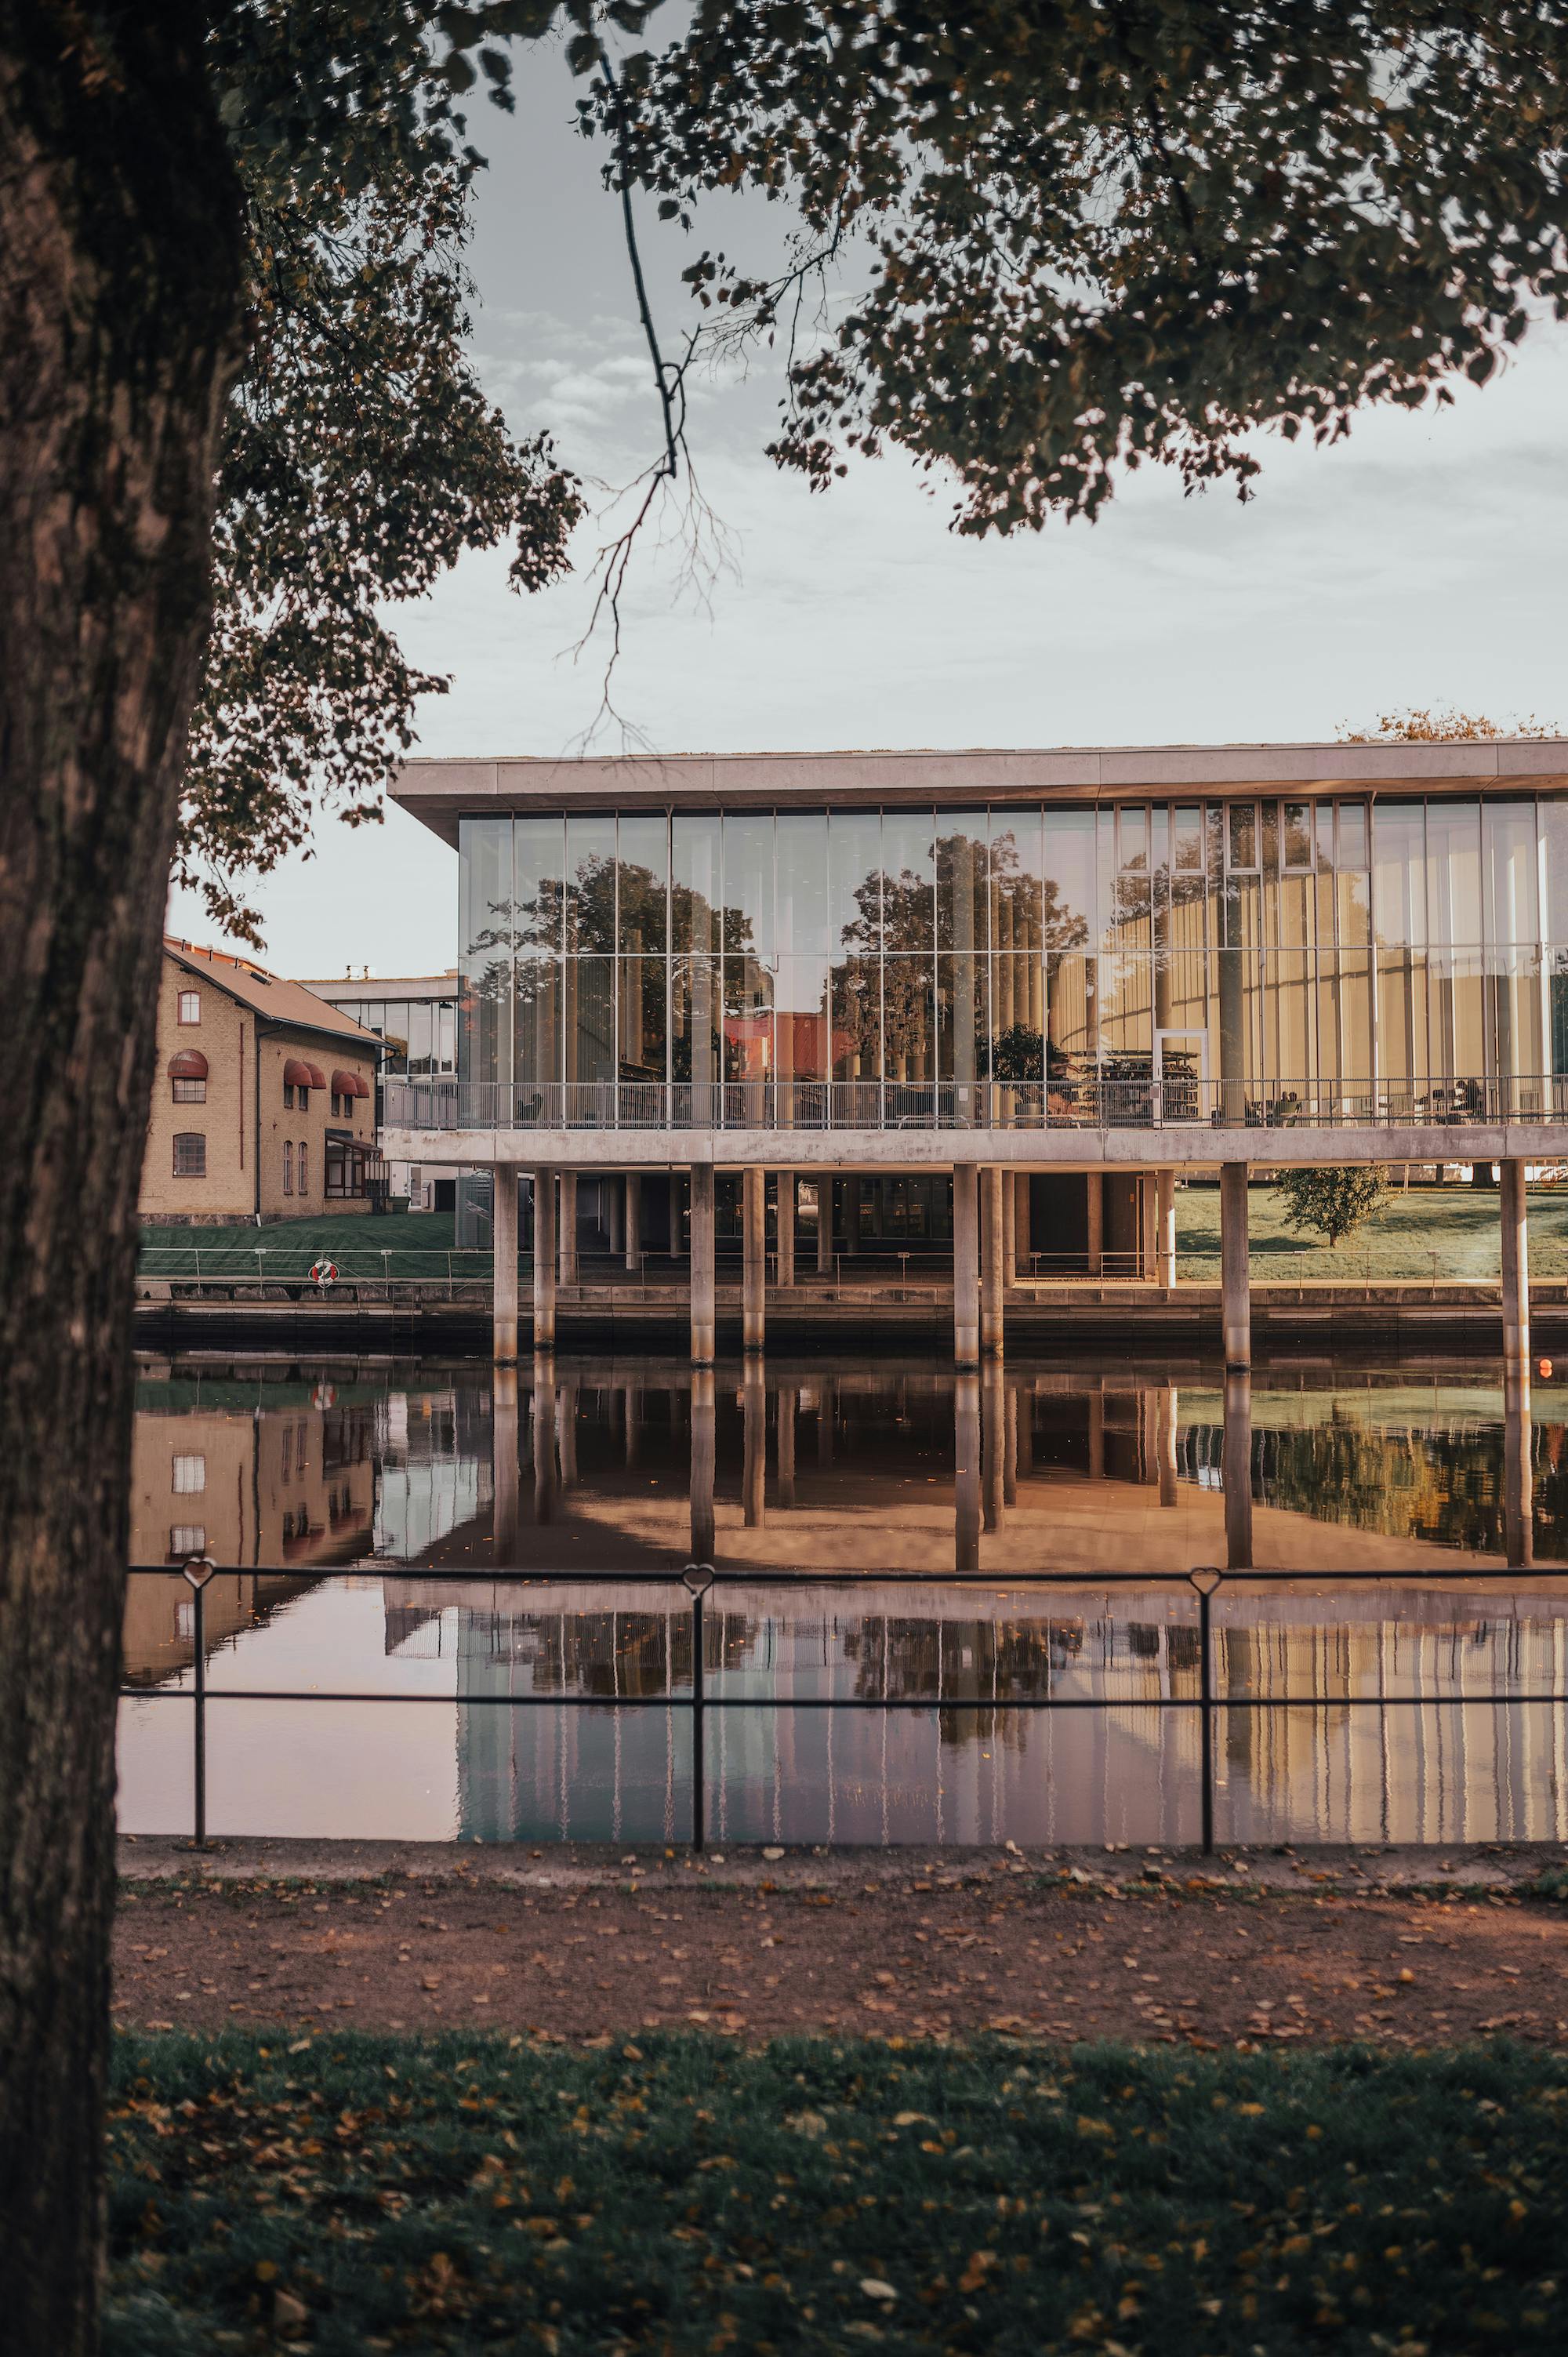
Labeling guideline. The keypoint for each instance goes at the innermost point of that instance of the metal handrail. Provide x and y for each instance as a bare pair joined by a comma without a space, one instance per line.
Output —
699,1580
1090,1097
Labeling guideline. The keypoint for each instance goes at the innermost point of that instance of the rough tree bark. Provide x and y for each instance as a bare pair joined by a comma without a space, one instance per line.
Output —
120,262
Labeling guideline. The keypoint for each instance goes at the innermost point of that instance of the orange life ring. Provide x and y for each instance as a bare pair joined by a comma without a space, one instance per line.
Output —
324,1272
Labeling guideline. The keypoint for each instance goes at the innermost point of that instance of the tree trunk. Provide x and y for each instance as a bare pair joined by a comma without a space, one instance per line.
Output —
120,271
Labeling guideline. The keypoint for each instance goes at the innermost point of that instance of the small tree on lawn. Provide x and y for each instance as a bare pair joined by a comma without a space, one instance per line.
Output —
1331,1203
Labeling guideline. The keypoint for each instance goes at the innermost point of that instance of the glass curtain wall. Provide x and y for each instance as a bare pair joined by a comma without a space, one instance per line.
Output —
1077,959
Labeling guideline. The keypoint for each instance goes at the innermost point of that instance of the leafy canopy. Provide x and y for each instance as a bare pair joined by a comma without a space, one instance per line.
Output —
1074,239
1331,1203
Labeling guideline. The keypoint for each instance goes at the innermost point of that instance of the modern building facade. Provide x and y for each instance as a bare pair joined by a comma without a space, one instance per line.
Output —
264,1103
416,1019
1044,966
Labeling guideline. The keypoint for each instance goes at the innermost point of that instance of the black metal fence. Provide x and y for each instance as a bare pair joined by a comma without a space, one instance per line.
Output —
701,1581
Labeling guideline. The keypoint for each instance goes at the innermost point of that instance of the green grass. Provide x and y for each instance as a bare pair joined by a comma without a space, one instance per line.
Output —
1450,1230
417,1244
358,2193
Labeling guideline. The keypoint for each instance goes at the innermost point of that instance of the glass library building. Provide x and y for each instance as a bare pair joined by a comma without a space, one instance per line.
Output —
1069,958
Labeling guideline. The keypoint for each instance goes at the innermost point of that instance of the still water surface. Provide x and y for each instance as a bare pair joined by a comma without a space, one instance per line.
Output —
329,1493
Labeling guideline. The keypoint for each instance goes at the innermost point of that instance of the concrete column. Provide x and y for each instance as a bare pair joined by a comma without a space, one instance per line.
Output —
1096,1187
754,1472
702,1307
1010,1450
753,1265
965,1266
1237,1468
503,1234
993,1440
1009,1228
543,1260
1165,1223
544,1480
966,1472
505,1509
680,1192
852,1215
1515,1267
1234,1274
704,1450
785,1227
633,1220
1022,1244
992,1239
1518,1487
568,1233
824,1223
786,1446
1148,1227
616,1220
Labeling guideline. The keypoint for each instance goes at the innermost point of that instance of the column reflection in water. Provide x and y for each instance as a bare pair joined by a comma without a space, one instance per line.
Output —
754,1472
1519,1503
966,1472
993,1427
1238,1469
566,1433
546,1486
703,1449
632,1417
786,1446
504,1469
1165,1443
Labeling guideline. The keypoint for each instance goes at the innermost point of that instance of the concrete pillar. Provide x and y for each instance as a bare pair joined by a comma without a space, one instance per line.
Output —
1234,1272
1095,1184
616,1216
825,1225
633,1220
1148,1227
785,1227
543,1260
966,1472
704,1450
852,1215
965,1266
992,1237
1010,1450
993,1440
754,1265
544,1480
1519,1486
1022,1245
1165,1223
1237,1469
503,1234
785,1448
702,1307
1009,1228
680,1196
505,1509
1516,1266
754,1472
568,1233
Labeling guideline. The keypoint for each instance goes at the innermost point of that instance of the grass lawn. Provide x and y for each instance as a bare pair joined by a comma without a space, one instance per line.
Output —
1451,1231
355,2193
417,1242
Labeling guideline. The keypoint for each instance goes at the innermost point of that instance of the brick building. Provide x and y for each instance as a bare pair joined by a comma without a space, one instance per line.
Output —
264,1102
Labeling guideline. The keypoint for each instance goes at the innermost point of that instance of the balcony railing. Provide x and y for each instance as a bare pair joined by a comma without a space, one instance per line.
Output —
1093,1101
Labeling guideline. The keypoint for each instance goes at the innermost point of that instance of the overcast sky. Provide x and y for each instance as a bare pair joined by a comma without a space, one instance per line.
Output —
1421,561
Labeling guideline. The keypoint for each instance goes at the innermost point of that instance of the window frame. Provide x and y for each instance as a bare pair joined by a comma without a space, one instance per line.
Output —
188,1091
188,1137
184,999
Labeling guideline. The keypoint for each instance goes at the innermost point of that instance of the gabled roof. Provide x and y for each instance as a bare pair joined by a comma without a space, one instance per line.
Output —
268,994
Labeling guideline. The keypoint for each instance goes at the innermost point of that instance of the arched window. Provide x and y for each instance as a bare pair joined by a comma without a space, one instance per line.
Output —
288,1166
189,1154
187,1075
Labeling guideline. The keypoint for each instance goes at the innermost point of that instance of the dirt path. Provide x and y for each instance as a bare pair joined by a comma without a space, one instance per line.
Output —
905,1956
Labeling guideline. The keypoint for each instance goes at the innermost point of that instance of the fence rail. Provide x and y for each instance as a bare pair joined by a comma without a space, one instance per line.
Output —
700,1581
1092,1099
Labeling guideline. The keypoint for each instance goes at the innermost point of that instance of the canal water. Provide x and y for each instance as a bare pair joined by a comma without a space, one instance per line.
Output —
424,1571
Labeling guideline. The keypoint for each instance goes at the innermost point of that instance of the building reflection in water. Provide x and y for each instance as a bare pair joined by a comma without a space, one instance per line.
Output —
1017,1474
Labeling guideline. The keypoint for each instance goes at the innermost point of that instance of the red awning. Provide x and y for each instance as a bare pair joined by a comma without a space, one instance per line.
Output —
317,1077
349,1084
299,1076
190,1064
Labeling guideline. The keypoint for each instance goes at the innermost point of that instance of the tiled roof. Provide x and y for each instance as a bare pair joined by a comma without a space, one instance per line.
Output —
271,996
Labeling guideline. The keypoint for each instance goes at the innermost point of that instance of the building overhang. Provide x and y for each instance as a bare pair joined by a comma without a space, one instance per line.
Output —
1171,1148
440,792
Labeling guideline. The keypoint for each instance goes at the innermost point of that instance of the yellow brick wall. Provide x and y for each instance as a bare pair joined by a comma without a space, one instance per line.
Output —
310,1127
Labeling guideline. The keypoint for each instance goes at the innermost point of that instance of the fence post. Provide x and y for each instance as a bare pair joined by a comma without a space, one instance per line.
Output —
198,1570
1206,1582
697,1578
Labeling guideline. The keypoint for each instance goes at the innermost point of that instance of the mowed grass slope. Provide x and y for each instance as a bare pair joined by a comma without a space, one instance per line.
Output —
1442,1232
682,2194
